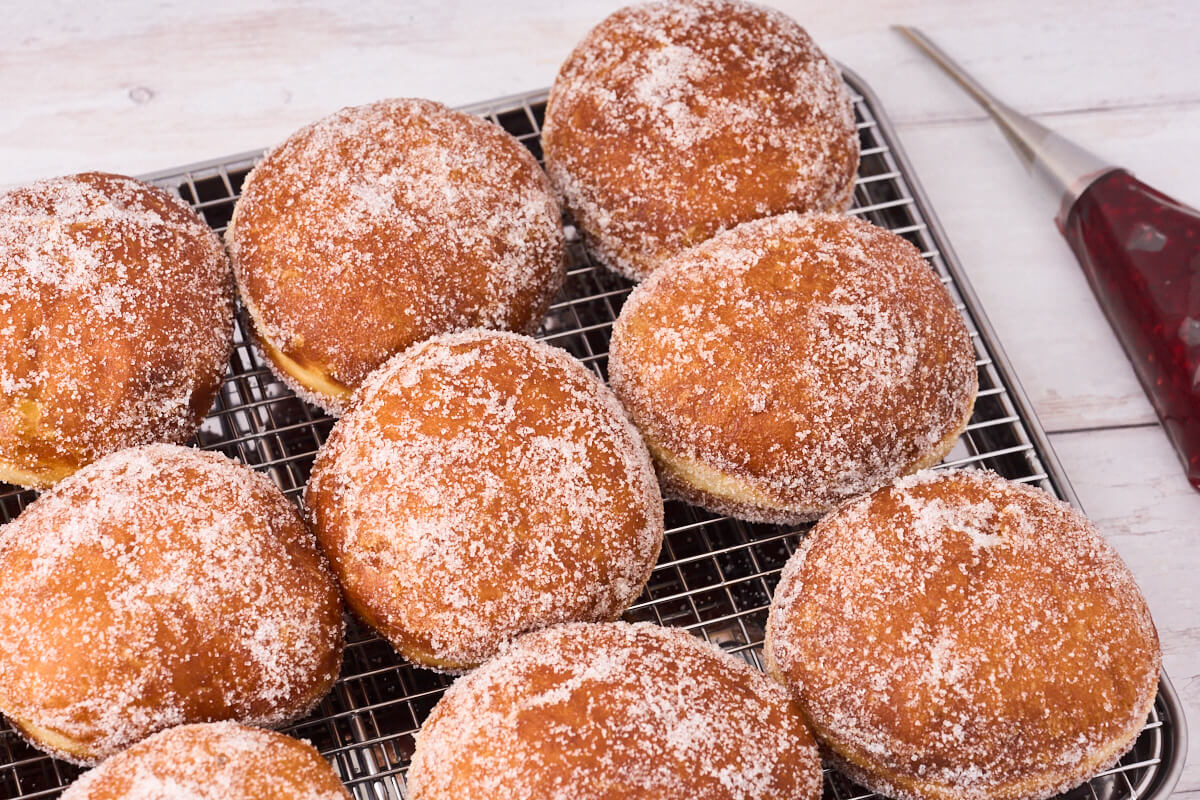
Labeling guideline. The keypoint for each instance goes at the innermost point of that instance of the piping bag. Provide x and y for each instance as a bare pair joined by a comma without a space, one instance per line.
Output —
1139,249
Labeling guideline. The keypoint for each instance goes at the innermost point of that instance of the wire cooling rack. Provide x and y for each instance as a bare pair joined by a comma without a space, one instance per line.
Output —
715,576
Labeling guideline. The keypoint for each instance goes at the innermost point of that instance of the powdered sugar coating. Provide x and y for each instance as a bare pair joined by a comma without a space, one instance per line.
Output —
157,586
116,322
212,761
805,357
672,121
385,224
482,485
591,711
955,635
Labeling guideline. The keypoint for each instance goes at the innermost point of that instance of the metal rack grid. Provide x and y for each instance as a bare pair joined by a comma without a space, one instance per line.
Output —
715,576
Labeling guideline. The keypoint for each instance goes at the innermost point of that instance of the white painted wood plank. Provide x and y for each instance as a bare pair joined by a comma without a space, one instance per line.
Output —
1129,483
136,87
1040,57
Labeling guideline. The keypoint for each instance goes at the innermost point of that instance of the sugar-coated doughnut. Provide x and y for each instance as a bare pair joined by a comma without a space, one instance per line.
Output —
484,484
791,362
602,711
157,586
212,761
116,322
956,635
383,225
674,120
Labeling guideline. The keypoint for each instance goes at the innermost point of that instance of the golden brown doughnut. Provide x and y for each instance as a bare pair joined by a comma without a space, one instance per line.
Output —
212,761
604,711
791,362
116,322
955,635
383,225
157,586
483,485
674,120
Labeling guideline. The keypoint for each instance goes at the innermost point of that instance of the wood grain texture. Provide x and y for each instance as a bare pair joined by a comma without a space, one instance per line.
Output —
139,86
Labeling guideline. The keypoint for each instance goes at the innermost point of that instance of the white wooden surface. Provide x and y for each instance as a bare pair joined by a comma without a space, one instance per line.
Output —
138,86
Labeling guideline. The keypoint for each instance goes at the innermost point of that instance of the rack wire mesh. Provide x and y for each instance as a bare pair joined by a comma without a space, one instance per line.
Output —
715,576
